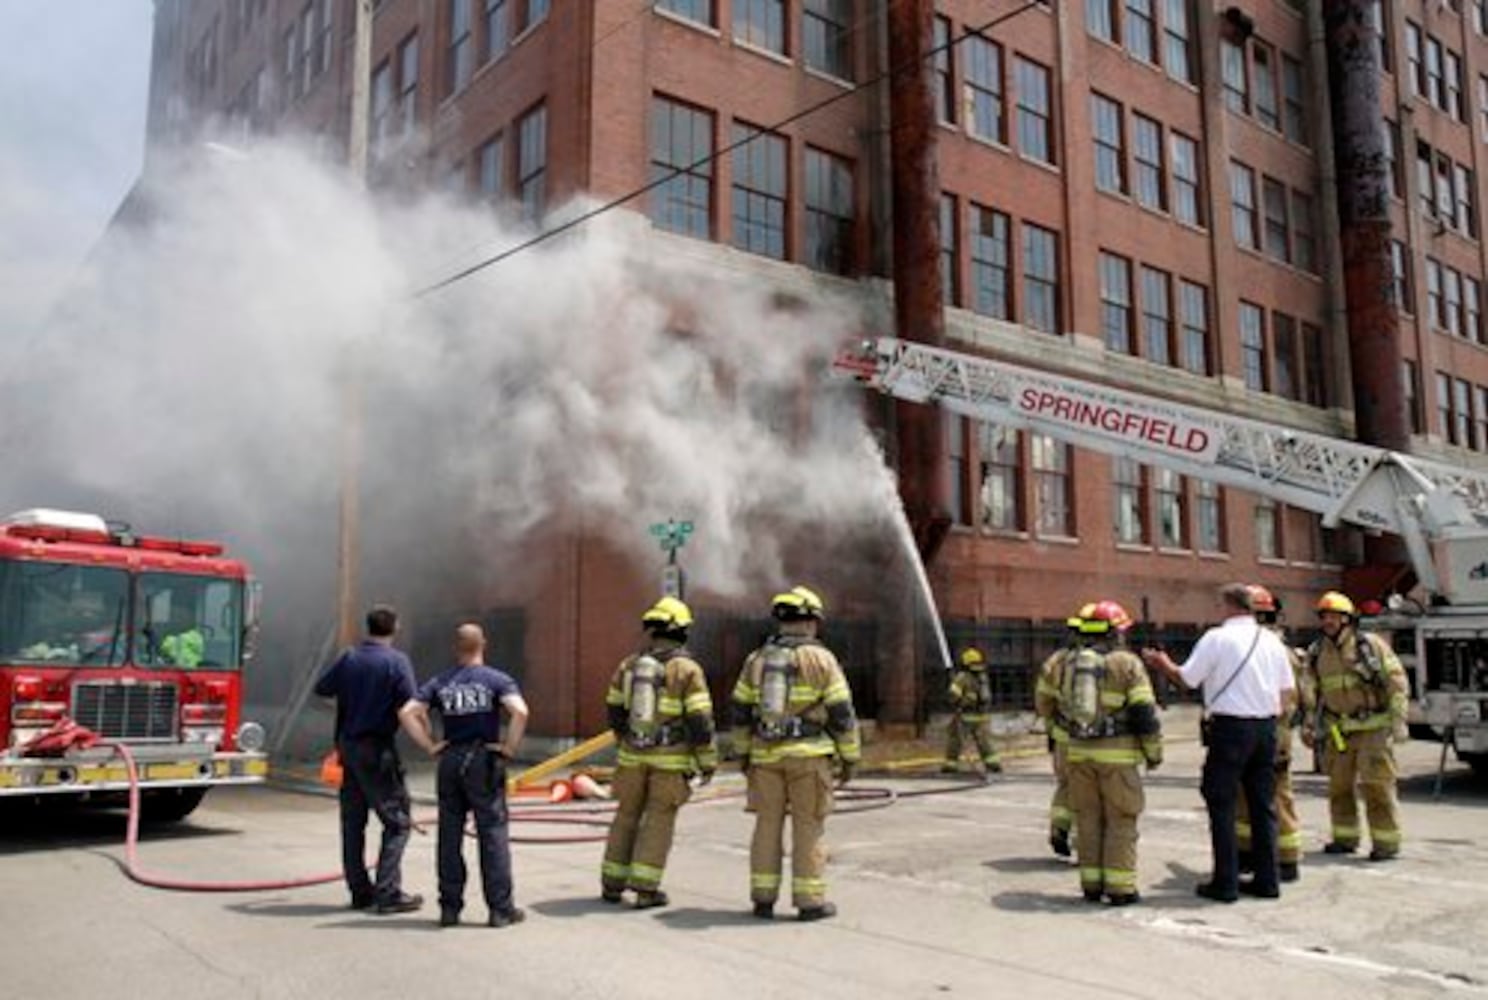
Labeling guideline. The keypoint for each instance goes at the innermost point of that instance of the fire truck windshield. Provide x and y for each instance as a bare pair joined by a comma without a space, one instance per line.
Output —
63,614
189,622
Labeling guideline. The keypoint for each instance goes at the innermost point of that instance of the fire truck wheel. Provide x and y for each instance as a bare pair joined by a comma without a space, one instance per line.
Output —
170,805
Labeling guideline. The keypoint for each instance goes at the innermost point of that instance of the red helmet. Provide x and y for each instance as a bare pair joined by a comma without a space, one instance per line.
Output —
1104,617
1261,600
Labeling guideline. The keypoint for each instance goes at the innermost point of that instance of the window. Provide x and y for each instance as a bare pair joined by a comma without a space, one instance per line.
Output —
681,150
1480,414
1002,484
950,286
1208,517
1243,201
1147,151
489,159
1483,106
1304,238
1472,310
825,31
1293,100
1467,211
1284,351
700,11
320,56
1435,84
1110,156
1315,372
984,88
990,277
759,191
1040,278
291,63
1157,316
1425,180
1263,66
1233,74
1452,68
1195,304
1392,158
1140,39
408,77
1253,346
829,212
1435,315
1414,68
1444,407
945,84
1267,528
1100,18
1051,480
1116,302
460,59
1129,518
1377,20
760,23
532,162
537,10
1413,400
960,473
498,27
1035,114
1177,54
1171,519
380,110
1452,300
1187,206
1278,244
1462,421
307,47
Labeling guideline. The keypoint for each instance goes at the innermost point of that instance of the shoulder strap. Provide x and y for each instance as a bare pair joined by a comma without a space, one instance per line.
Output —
1236,672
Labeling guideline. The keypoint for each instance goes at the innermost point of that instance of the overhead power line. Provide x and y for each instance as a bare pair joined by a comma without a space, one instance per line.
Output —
810,109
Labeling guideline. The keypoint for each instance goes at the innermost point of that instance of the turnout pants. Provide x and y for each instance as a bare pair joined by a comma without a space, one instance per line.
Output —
1061,816
647,800
1368,762
372,781
801,786
1242,758
979,729
1107,799
472,779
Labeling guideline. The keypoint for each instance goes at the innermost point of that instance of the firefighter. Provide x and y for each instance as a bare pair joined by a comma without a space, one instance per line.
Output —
1104,701
1296,705
1361,693
185,645
793,713
662,717
971,701
1045,704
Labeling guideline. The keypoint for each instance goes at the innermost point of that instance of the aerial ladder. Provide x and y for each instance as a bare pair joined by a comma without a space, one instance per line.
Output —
1439,510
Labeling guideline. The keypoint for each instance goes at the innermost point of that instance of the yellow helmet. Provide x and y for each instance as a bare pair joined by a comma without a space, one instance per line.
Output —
796,604
1077,619
972,657
667,615
1334,601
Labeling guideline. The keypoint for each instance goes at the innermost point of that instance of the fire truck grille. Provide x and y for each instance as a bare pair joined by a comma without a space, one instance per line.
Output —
126,711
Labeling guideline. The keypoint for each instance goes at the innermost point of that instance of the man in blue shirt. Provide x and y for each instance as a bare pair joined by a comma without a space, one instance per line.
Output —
469,698
370,682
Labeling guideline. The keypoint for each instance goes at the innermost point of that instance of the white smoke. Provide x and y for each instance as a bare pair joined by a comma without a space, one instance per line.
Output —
195,380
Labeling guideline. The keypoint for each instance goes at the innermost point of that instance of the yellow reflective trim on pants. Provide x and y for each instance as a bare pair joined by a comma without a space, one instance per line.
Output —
764,880
769,753
809,886
1083,755
673,761
1379,720
1119,879
1290,840
1388,837
615,870
645,876
1090,878
1062,815
1346,834
698,704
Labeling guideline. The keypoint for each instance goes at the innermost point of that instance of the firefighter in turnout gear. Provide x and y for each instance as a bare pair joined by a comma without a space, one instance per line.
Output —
662,715
1104,700
1361,696
1045,705
971,702
1296,705
793,713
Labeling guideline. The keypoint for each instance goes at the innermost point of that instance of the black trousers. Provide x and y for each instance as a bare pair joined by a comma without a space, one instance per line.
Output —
1242,753
372,779
472,779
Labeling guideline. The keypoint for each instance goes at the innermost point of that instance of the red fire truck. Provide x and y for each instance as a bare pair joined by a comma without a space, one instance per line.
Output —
141,640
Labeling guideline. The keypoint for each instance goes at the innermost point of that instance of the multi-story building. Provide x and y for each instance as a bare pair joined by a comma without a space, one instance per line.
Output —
1141,191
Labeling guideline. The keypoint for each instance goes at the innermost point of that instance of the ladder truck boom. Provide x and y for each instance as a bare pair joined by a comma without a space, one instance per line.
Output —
1421,500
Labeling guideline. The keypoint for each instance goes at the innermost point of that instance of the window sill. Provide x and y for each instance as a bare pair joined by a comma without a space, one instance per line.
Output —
1215,556
764,53
686,22
1271,561
1045,165
1066,540
832,78
982,140
1006,534
1136,548
1181,553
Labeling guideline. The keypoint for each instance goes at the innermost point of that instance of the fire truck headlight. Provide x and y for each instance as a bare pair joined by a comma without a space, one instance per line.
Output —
251,737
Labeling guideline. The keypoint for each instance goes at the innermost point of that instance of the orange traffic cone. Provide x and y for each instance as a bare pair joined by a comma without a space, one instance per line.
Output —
561,791
585,787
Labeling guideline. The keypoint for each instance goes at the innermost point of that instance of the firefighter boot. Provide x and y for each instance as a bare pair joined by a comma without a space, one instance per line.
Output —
1060,842
650,899
821,912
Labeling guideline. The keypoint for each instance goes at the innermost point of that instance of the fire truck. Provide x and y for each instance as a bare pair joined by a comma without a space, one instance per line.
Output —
142,641
1438,509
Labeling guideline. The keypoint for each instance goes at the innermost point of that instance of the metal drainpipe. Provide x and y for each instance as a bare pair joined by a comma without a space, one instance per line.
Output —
1321,123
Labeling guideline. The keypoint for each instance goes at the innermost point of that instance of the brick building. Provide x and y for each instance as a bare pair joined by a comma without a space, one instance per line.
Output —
1141,191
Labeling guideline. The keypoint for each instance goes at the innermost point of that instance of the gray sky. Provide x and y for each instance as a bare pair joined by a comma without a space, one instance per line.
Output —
73,89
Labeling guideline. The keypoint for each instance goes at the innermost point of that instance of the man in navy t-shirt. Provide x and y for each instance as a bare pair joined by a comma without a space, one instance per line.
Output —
469,698
370,682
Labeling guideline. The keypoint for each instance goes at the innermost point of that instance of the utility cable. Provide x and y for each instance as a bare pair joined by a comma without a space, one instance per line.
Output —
674,172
